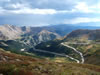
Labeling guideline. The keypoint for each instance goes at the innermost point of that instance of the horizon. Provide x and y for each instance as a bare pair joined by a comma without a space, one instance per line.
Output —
74,25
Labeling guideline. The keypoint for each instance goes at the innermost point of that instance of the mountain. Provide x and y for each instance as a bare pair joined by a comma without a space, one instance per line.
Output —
85,33
64,29
42,36
86,41
61,29
45,35
28,35
10,32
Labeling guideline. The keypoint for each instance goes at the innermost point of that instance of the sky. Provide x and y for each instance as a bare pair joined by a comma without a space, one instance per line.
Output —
49,12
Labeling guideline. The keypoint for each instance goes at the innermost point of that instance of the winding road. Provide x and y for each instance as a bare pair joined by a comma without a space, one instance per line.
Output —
64,55
82,58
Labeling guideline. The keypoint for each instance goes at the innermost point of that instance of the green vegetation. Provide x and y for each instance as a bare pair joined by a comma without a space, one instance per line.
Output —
91,53
13,45
55,46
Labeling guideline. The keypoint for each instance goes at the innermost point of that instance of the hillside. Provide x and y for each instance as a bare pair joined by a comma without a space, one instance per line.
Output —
86,41
30,36
78,41
14,46
13,64
84,34
10,32
42,36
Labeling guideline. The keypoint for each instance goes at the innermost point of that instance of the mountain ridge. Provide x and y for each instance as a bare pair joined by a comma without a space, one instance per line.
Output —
85,33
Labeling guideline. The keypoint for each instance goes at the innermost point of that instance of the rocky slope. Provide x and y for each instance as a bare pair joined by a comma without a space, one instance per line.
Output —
29,35
42,36
10,32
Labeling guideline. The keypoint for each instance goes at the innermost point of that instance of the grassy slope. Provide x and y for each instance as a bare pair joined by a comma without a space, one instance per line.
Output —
91,53
24,65
95,58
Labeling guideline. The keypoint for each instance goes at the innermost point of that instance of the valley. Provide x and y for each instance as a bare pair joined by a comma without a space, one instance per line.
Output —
76,49
57,54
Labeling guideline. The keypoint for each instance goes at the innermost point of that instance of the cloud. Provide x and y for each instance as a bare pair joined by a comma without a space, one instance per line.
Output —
27,10
5,0
81,20
19,8
45,7
43,4
34,11
1,10
40,12
83,7
53,4
16,5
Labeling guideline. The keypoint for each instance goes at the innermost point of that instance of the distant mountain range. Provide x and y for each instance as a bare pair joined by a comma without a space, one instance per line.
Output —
9,32
26,34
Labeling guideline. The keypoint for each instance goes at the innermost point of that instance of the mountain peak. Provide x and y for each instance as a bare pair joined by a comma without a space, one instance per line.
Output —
44,31
7,25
